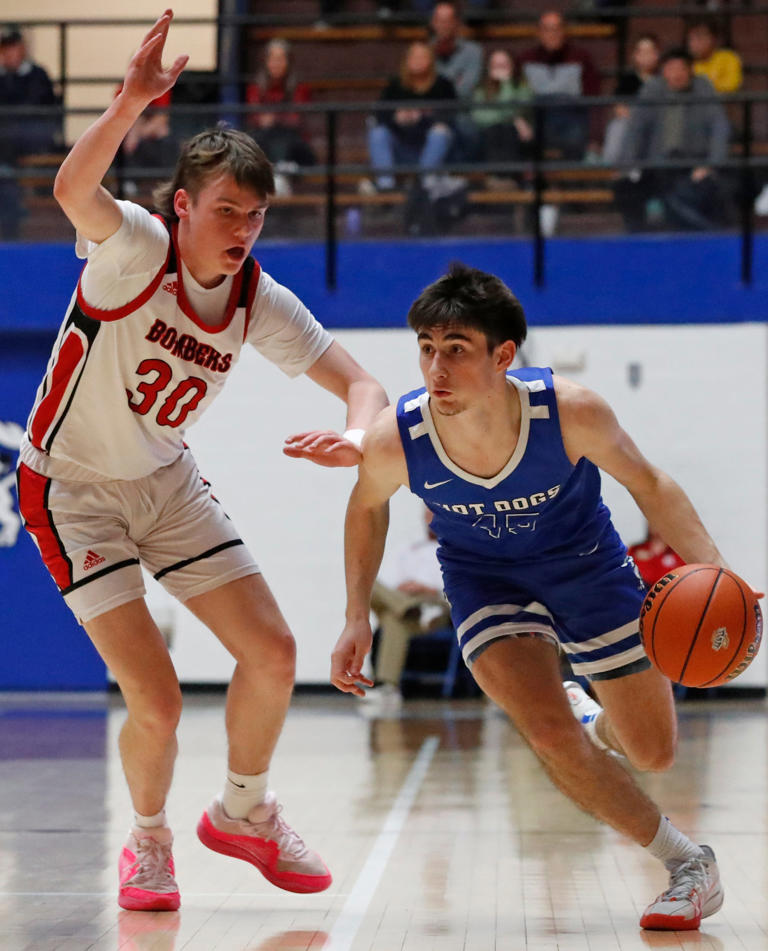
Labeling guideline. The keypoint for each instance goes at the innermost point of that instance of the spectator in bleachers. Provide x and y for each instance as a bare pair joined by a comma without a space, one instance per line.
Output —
149,143
722,67
556,67
500,112
411,136
279,134
645,64
695,196
461,61
22,83
456,58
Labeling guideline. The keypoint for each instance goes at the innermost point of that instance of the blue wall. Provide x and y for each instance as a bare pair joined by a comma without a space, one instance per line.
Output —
601,281
643,280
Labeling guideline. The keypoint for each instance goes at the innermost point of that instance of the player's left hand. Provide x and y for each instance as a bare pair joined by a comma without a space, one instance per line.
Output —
323,447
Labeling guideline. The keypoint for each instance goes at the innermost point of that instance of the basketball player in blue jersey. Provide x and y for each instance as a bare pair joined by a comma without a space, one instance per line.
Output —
107,484
508,462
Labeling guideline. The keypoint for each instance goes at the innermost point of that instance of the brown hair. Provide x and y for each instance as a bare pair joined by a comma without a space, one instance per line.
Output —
212,153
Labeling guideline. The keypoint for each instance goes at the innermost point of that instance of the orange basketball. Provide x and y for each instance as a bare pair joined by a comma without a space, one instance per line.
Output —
701,625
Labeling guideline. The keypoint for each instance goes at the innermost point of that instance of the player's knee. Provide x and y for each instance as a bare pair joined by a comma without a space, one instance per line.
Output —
157,714
655,756
274,660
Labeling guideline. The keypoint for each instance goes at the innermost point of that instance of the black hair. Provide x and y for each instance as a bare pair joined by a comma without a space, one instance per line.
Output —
468,297
709,25
677,52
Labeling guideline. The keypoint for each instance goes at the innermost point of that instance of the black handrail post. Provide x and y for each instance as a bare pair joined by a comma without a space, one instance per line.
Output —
331,240
63,70
747,219
538,184
621,42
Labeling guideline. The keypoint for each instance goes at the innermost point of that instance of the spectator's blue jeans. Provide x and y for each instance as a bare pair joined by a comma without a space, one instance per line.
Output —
387,150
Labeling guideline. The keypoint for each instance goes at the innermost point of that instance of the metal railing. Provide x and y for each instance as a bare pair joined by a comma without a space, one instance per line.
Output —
743,164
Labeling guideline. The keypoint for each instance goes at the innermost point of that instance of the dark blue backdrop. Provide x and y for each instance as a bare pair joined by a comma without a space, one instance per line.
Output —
588,281
643,280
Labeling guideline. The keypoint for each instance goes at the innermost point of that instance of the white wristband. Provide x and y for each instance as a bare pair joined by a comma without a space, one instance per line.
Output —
355,436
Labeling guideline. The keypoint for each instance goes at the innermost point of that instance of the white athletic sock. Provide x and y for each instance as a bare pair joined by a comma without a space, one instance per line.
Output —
150,822
590,727
671,846
242,793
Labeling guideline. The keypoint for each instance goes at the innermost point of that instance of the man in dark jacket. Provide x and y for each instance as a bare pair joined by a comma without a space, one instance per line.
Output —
691,126
22,83
556,68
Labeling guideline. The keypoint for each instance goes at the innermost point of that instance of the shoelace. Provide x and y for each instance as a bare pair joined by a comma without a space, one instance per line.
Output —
276,828
152,859
690,876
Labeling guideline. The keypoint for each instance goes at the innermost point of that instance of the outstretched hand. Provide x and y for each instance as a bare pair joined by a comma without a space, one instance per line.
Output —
323,447
145,78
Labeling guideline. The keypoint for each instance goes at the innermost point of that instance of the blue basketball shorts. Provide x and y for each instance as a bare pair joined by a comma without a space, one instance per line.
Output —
586,605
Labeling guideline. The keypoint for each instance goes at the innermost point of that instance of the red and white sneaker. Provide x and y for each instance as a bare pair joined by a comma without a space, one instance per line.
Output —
265,840
694,893
146,872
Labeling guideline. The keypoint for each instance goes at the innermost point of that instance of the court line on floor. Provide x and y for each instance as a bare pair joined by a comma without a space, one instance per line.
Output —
347,924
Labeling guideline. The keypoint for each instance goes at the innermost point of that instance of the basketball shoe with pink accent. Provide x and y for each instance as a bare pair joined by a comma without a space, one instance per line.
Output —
694,893
146,872
265,840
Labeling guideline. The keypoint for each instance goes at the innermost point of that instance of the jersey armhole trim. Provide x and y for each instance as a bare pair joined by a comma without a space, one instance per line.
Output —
106,315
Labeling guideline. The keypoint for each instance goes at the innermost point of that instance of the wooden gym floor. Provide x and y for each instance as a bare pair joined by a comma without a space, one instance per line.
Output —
438,825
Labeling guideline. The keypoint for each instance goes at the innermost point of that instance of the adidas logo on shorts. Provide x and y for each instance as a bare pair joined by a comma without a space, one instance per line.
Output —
91,560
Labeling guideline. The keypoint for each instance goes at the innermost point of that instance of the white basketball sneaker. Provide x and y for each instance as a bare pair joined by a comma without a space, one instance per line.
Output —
586,710
694,893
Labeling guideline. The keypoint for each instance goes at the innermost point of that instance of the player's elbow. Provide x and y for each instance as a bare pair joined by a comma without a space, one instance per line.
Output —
63,190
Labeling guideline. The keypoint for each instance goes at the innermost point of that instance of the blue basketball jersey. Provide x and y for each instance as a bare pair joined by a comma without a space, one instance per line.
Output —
538,506
531,550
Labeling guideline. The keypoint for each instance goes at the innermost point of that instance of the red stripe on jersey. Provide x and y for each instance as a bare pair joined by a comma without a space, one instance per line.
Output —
67,361
131,306
188,309
255,277
33,505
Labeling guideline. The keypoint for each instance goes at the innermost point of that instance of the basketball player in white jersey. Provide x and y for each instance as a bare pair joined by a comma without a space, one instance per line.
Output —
107,485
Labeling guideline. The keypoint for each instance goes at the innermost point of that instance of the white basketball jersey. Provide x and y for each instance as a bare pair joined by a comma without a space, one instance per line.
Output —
122,385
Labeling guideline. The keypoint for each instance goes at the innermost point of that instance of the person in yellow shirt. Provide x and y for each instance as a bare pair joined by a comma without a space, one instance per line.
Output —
722,67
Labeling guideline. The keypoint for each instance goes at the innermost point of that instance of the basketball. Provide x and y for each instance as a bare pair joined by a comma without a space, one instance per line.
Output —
701,625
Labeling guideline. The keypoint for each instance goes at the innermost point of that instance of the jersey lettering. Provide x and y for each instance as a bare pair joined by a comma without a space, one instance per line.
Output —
192,390
150,390
189,348
514,524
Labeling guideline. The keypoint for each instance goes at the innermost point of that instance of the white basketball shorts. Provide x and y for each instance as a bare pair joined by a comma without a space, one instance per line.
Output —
95,537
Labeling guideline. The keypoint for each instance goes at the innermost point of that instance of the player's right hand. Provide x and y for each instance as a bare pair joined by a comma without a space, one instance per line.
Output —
348,656
145,78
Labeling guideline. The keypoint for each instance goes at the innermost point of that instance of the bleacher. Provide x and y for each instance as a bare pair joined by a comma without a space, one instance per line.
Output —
346,62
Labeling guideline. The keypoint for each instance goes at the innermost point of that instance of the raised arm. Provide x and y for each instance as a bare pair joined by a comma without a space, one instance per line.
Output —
78,189
382,471
337,372
591,429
